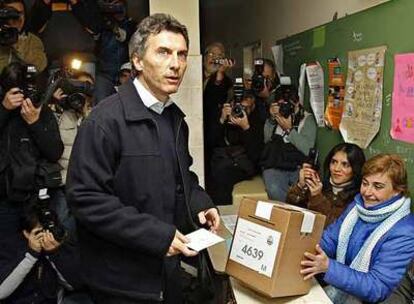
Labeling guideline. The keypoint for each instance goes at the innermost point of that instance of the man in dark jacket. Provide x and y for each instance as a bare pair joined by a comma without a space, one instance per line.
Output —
238,143
129,183
29,135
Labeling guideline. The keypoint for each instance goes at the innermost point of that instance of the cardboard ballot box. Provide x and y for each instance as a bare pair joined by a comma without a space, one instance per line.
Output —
268,245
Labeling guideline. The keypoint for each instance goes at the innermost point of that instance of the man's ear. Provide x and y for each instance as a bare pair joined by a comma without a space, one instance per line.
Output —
138,64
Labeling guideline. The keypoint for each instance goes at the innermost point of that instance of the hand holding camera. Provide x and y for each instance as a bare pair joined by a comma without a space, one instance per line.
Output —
34,238
239,117
13,99
29,112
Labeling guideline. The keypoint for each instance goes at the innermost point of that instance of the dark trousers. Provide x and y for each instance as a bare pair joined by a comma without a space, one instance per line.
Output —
223,176
172,291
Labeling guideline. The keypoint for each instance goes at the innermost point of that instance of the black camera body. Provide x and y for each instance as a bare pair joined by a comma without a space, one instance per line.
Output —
8,35
29,86
238,92
286,109
73,88
258,80
313,158
48,219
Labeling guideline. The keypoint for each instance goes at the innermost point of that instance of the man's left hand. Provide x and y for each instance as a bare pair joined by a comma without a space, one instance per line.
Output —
29,112
211,218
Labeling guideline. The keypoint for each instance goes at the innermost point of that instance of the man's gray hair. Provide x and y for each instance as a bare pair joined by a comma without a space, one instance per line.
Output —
153,25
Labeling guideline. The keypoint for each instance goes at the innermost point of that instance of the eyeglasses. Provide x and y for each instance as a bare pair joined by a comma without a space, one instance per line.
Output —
215,55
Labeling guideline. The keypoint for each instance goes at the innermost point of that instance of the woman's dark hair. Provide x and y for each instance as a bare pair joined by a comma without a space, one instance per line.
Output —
356,159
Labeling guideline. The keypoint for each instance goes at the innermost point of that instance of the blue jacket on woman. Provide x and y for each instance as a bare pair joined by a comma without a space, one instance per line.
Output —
389,259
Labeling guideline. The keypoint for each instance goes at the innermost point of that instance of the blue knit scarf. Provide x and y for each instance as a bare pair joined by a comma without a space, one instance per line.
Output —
389,215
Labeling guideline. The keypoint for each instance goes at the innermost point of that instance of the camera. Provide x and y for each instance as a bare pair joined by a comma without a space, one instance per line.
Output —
74,89
286,108
313,158
29,87
285,95
111,7
8,35
220,61
47,218
258,80
24,77
238,92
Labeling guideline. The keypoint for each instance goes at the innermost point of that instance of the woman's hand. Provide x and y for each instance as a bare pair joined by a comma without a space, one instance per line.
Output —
305,172
313,183
315,264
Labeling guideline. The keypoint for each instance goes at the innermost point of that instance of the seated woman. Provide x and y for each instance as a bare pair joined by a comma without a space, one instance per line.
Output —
381,227
342,179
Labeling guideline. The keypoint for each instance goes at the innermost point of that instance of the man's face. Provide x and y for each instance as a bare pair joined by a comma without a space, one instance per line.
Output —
18,23
268,72
164,62
214,53
124,76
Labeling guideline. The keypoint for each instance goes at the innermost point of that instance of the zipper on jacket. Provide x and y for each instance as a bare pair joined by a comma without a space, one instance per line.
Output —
189,215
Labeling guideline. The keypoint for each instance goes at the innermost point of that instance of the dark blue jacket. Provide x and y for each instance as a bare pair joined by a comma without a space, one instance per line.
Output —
117,191
389,260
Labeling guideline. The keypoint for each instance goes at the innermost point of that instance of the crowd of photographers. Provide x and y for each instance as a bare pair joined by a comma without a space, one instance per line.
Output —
42,107
252,126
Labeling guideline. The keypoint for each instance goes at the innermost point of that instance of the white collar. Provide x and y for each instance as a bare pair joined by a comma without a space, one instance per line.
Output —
149,100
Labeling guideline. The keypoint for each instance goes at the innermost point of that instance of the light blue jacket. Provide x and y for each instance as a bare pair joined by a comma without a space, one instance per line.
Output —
390,256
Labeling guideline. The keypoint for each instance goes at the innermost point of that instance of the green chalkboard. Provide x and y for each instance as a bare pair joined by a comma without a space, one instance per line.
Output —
390,24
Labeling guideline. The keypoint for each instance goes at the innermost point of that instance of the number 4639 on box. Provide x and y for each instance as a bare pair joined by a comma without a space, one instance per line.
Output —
255,246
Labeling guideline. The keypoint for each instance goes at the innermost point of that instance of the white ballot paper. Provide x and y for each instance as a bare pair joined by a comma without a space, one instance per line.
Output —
255,246
201,239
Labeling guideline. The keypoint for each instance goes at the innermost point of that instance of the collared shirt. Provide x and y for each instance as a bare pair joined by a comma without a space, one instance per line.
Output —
149,100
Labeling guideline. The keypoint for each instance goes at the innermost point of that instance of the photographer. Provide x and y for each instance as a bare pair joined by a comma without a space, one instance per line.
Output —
217,85
72,103
110,27
289,133
18,44
29,143
238,143
36,266
263,82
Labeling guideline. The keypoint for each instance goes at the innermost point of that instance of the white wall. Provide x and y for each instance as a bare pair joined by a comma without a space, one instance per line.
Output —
239,22
190,95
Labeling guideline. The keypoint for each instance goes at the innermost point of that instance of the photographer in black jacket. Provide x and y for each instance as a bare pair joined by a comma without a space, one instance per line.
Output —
238,144
29,137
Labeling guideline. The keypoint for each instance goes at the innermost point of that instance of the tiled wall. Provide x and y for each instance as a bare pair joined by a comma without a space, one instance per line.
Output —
190,99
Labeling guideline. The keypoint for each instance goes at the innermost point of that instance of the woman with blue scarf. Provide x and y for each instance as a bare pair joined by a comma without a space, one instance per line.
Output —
364,254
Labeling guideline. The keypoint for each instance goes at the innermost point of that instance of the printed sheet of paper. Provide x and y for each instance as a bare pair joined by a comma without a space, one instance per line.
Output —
202,239
361,118
255,246
314,74
402,125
